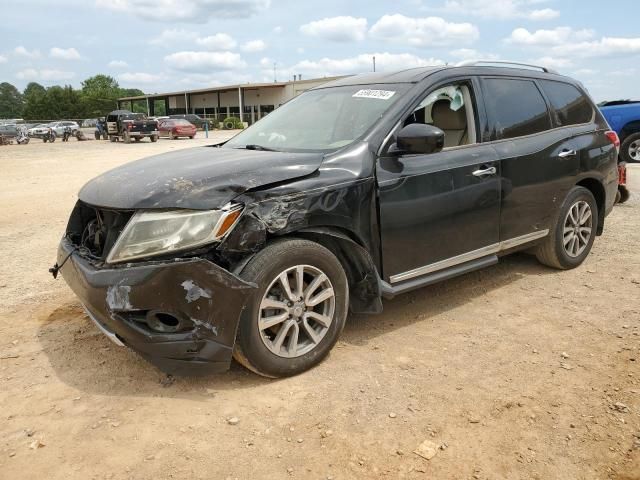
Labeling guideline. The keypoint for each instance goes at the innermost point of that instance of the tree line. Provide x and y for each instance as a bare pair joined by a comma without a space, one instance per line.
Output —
96,97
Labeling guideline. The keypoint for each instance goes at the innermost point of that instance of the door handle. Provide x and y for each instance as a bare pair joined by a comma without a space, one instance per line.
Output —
483,172
567,153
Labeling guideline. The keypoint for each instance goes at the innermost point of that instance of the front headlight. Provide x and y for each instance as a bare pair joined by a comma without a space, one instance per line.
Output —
159,233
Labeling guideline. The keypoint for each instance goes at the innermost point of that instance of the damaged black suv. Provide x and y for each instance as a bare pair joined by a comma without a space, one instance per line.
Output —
355,191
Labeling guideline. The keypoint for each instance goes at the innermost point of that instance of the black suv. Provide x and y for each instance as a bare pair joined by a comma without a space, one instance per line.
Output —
361,189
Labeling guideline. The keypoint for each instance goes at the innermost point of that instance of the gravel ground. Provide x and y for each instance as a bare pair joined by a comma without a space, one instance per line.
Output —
513,372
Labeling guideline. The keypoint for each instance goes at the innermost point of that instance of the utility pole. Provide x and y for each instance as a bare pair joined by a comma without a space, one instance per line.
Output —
374,63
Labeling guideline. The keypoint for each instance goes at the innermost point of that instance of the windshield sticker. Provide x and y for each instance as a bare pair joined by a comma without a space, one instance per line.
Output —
379,94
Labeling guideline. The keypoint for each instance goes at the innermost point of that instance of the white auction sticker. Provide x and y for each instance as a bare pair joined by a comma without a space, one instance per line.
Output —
379,94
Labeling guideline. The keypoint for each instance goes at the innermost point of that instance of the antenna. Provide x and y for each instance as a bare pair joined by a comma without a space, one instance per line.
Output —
275,79
374,63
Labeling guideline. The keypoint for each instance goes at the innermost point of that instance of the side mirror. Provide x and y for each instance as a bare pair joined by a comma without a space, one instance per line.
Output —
419,138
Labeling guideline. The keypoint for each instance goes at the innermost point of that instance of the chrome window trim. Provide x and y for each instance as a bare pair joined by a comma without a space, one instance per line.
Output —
468,256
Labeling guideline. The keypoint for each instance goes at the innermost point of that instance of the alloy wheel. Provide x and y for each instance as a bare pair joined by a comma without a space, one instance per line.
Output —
577,230
634,150
296,311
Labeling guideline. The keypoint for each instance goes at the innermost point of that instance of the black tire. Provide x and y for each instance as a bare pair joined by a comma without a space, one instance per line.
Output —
191,137
250,349
112,139
96,135
552,251
624,194
154,138
631,143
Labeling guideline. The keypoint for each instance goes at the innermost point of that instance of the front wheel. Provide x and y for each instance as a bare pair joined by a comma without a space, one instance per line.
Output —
298,311
571,238
154,138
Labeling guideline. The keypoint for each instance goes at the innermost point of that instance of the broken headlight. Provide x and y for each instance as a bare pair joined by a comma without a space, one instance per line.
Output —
151,233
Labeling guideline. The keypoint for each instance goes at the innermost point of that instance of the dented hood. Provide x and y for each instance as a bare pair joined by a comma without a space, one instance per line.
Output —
197,178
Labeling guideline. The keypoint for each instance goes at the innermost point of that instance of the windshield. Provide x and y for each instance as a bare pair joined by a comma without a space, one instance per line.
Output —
324,119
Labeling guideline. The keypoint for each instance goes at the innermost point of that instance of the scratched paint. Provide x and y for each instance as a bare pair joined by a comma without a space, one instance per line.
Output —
194,292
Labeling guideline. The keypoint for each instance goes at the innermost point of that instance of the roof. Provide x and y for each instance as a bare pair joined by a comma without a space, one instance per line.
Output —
223,88
409,75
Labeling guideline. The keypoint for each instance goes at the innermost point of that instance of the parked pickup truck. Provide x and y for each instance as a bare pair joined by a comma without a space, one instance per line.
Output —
624,117
125,125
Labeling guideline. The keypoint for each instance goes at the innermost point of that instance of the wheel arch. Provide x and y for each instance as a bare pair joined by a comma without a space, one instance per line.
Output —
596,188
629,129
362,274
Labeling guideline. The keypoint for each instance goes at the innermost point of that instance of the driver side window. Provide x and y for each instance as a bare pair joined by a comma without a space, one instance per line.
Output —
449,108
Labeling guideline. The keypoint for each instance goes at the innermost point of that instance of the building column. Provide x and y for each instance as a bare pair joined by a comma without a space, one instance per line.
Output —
148,111
240,102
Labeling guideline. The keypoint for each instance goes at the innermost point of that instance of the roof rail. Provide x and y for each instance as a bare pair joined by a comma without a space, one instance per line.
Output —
489,63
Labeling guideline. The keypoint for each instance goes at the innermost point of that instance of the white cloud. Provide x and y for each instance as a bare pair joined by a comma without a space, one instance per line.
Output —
358,64
44,74
557,36
23,52
337,29
552,62
569,43
170,37
265,62
472,54
64,53
3,59
253,46
498,9
277,29
198,61
118,64
219,41
194,11
421,32
139,77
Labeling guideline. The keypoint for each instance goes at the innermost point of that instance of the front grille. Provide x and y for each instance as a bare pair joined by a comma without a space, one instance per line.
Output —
95,230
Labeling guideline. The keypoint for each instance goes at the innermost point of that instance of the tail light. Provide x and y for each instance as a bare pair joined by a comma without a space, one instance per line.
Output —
613,138
129,127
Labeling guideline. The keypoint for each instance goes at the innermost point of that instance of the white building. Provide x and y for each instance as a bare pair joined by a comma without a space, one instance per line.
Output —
249,102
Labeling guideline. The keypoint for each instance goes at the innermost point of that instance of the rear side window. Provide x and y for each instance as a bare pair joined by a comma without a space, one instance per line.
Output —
571,106
515,107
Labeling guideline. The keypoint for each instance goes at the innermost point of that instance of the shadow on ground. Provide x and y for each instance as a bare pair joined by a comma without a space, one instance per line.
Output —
85,359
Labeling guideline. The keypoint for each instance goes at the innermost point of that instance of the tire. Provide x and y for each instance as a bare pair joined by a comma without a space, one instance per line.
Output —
191,137
552,251
112,139
257,349
630,149
154,138
624,194
137,139
96,135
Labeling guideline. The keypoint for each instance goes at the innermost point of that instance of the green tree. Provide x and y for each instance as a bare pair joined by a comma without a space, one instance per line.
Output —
33,96
99,95
11,103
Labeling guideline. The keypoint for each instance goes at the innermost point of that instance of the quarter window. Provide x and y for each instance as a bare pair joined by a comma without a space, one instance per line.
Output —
516,108
570,105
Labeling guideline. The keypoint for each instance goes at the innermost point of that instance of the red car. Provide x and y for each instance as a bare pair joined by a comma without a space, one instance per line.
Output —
175,128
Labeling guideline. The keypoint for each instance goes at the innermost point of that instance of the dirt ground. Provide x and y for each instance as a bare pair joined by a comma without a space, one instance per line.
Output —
513,372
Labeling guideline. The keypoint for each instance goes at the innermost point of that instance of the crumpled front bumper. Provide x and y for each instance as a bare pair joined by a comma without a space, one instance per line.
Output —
207,298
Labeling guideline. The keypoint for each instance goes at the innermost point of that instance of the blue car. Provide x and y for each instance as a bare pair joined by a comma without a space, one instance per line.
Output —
623,116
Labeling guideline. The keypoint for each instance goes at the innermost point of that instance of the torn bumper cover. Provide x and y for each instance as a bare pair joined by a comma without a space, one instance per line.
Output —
181,315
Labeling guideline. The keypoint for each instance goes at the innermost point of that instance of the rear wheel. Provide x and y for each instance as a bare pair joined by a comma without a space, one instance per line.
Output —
297,312
154,138
570,240
630,148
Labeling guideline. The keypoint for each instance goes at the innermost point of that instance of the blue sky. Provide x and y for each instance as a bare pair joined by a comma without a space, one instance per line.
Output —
166,45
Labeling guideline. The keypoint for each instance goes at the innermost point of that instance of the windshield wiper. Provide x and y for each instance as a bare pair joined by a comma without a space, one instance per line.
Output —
259,147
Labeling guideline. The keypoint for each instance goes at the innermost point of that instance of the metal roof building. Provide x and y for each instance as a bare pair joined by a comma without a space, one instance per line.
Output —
249,101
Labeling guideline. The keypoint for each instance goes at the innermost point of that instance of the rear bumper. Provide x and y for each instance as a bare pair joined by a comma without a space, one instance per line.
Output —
206,299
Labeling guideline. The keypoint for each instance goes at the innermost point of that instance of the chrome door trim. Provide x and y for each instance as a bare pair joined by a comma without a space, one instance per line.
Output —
468,256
